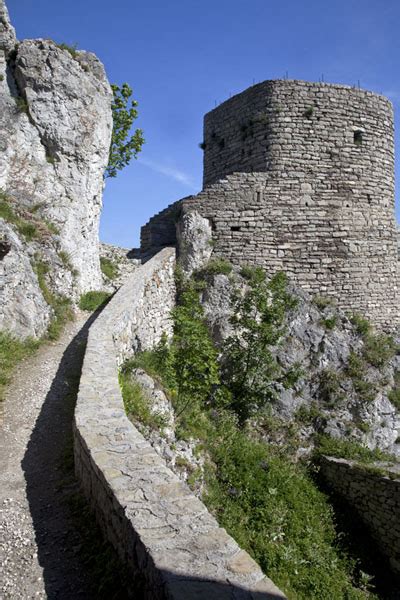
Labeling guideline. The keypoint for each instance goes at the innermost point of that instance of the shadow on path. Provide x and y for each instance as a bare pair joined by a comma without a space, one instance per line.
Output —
76,562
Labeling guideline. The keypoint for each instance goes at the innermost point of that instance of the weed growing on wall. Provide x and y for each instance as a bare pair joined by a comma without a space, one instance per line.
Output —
91,301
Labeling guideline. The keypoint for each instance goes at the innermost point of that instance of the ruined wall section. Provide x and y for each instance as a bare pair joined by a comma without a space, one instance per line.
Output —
375,497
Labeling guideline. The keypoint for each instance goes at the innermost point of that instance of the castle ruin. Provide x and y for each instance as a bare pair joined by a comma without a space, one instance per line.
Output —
299,177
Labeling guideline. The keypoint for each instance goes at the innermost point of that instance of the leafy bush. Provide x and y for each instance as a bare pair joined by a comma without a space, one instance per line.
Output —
92,301
329,387
109,268
362,325
329,323
394,394
349,450
378,349
218,266
250,369
13,351
275,511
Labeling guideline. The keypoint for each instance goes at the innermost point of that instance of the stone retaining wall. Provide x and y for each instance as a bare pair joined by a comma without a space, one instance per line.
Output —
376,498
173,548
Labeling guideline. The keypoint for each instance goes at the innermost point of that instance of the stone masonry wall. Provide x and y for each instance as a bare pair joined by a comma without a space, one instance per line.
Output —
376,499
173,548
299,177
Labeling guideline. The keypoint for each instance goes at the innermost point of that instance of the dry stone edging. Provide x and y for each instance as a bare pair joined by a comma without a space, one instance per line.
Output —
376,498
164,534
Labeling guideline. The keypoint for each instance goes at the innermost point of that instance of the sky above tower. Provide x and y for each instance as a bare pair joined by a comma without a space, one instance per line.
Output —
183,57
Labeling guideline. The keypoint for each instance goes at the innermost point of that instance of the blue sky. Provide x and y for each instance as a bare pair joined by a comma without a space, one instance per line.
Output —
182,56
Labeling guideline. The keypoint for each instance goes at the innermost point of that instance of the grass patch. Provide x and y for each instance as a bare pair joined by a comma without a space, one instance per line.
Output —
29,226
329,387
109,268
22,105
71,49
323,302
350,450
394,394
329,323
61,305
361,325
91,301
12,351
379,349
218,266
356,369
135,402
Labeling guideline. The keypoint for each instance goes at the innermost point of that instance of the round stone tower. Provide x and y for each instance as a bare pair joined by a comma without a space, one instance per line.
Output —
299,177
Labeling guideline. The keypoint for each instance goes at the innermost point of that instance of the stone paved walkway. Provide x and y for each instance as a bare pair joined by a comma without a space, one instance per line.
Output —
40,543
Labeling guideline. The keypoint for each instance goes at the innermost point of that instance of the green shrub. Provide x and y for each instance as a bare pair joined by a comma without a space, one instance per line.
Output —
329,323
275,511
72,50
307,414
109,268
394,394
92,301
379,349
250,368
361,325
217,266
349,450
61,305
356,369
136,404
22,105
329,387
13,351
28,230
323,301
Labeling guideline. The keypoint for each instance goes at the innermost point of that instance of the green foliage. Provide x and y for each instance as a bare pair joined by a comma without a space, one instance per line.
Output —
356,369
72,50
94,300
7,212
275,511
22,105
51,227
394,394
292,375
193,355
109,268
329,387
12,351
362,325
307,414
349,450
329,323
217,266
378,349
136,403
308,113
124,146
61,305
323,301
249,366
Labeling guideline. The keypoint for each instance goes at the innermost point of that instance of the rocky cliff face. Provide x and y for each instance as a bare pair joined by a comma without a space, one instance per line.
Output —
55,131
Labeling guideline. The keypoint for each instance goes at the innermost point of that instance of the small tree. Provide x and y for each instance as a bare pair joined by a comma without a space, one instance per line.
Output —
123,146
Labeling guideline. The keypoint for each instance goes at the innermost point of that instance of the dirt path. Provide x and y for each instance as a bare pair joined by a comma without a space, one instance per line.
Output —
45,527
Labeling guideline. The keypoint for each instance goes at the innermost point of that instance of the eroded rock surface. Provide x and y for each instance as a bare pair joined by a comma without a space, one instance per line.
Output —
55,131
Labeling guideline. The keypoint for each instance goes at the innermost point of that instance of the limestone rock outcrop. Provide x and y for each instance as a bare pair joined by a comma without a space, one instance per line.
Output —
55,132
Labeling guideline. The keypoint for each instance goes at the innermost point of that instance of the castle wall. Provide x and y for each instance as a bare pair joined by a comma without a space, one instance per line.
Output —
299,177
171,545
376,499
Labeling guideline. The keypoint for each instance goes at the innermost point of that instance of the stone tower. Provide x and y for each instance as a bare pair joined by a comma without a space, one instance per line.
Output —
299,177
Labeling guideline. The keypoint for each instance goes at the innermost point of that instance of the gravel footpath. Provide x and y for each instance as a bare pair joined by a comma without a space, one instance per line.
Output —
40,542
